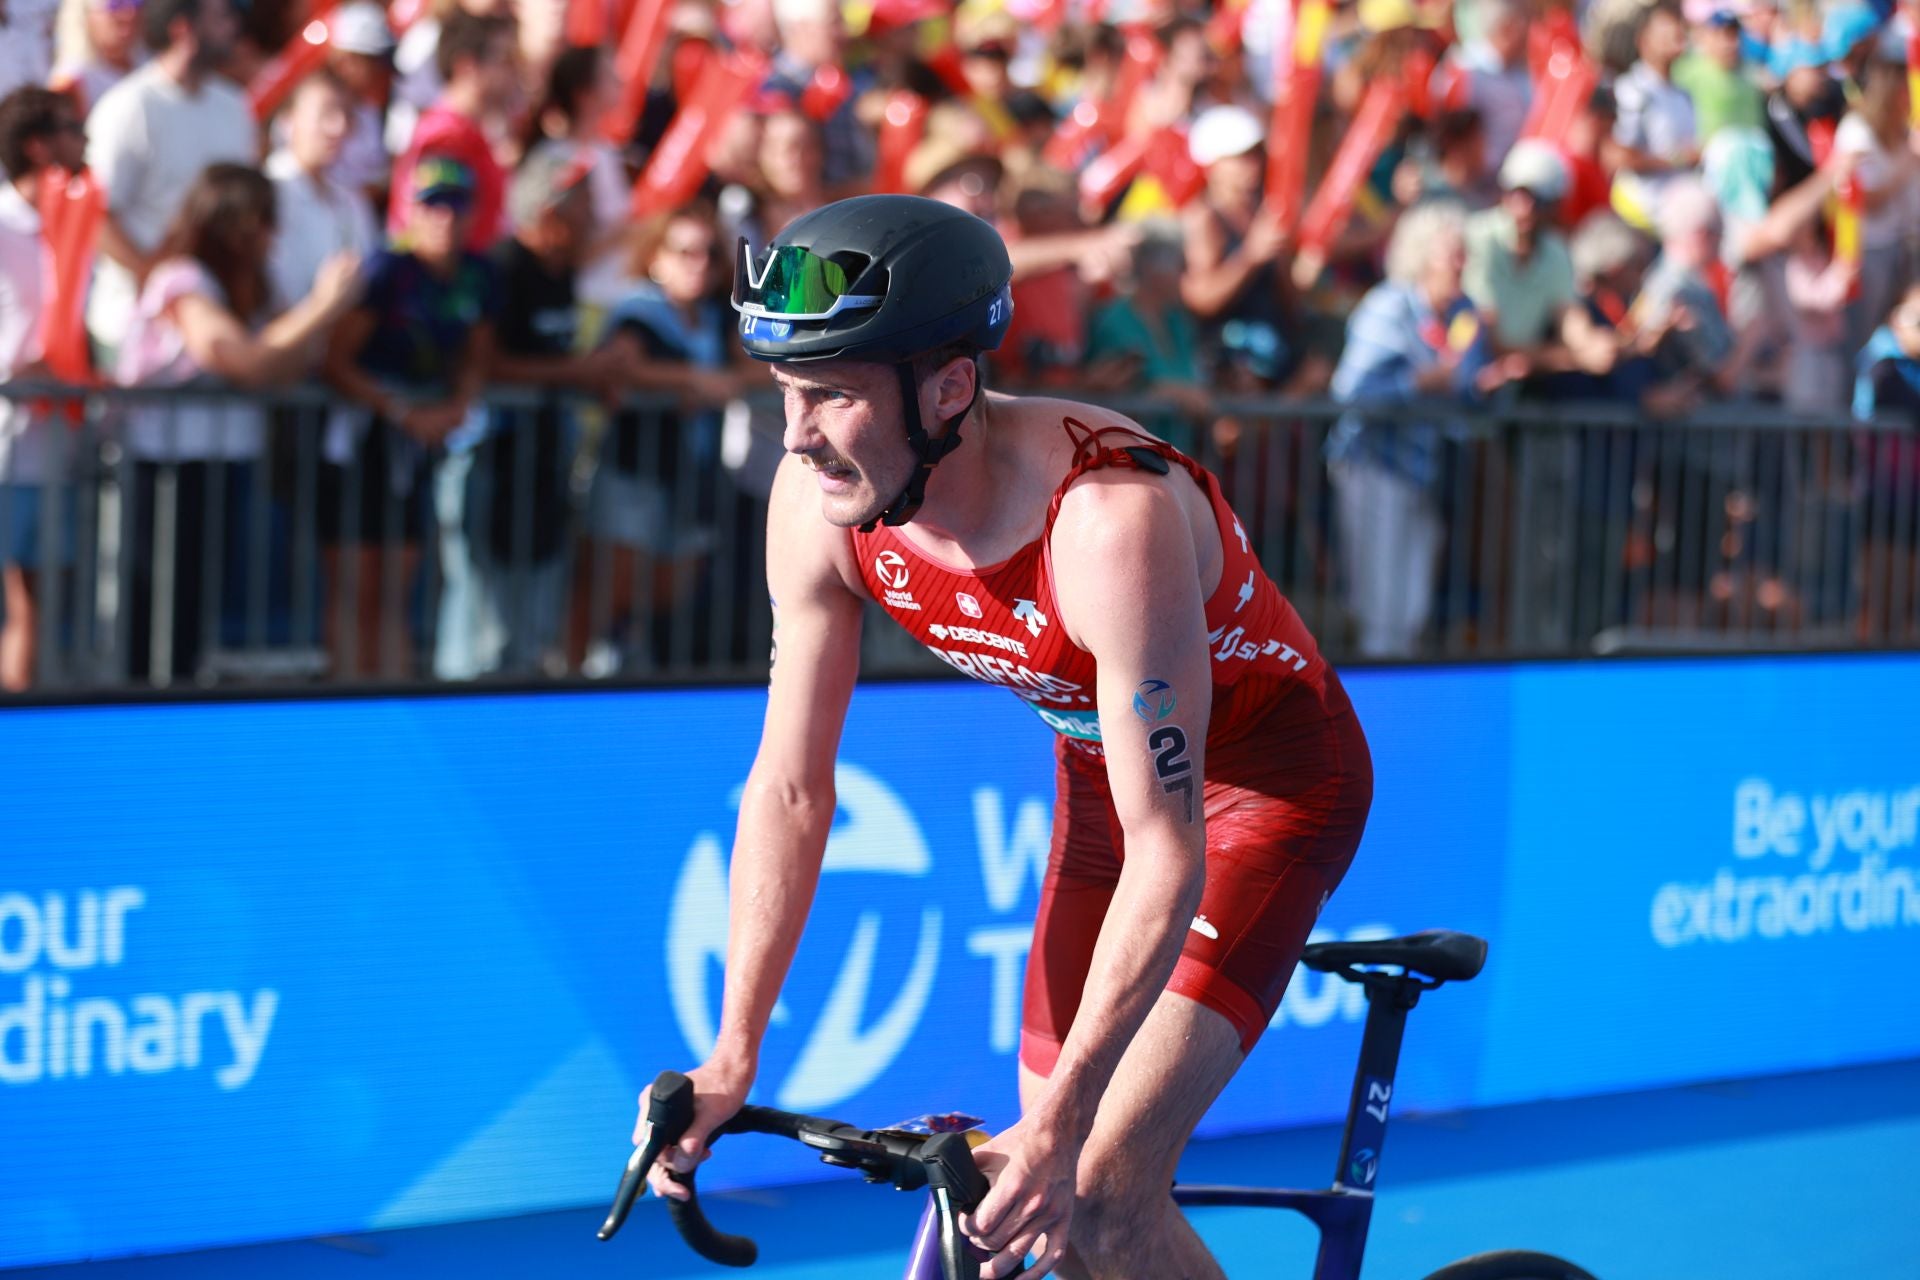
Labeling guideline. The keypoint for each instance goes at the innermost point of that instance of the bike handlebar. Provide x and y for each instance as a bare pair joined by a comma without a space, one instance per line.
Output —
909,1161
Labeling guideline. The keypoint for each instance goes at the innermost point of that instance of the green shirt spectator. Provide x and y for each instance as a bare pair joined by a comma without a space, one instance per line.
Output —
1167,350
1148,341
1519,273
1720,97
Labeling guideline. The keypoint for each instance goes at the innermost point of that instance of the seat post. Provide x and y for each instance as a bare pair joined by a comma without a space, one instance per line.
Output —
1389,998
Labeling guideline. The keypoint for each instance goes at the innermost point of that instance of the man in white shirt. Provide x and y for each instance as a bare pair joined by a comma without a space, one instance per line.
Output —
1655,127
39,130
318,217
151,135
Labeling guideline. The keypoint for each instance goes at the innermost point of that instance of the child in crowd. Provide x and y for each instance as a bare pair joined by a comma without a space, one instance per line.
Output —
413,358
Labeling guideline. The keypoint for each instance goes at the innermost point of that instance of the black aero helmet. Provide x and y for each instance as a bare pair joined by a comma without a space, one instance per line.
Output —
885,279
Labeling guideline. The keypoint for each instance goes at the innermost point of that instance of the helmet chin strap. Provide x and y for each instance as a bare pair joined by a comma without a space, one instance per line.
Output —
927,451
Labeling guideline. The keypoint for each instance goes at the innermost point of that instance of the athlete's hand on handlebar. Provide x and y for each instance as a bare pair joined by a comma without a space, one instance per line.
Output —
717,1094
1031,1204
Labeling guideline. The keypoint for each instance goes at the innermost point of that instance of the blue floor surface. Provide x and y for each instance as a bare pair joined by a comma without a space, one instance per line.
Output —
1809,1177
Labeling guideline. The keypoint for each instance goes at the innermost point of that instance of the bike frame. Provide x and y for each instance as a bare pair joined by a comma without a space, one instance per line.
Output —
1342,1212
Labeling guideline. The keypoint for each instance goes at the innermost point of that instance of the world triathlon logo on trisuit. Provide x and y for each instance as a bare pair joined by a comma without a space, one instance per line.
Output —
890,567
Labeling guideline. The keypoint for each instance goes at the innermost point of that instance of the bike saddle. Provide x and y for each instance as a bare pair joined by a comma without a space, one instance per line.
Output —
1436,953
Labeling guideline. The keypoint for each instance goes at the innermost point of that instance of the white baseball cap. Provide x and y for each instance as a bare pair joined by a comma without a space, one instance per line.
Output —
1219,132
361,27
1534,166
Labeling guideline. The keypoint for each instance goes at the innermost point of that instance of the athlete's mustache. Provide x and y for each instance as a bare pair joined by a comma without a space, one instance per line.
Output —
826,462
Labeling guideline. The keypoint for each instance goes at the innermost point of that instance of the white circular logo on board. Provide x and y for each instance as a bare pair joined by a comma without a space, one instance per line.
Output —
850,1043
891,569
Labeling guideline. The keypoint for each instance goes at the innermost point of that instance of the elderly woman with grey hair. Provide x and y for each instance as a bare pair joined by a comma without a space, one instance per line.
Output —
1415,347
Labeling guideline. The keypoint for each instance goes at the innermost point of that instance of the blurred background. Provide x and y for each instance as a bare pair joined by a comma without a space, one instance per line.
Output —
1562,361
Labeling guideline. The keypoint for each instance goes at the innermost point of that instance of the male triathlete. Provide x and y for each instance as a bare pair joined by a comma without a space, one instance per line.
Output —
1212,778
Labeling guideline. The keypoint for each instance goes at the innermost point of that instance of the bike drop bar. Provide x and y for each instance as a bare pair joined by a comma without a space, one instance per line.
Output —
944,1162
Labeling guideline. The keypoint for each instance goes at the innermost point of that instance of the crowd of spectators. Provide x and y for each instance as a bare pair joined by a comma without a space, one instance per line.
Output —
442,203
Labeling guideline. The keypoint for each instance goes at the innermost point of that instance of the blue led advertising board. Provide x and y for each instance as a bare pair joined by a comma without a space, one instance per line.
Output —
292,968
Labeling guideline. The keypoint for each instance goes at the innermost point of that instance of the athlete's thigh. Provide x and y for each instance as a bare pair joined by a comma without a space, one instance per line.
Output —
1182,1057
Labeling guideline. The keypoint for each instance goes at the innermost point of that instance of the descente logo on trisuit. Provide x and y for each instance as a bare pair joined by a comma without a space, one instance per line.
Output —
973,635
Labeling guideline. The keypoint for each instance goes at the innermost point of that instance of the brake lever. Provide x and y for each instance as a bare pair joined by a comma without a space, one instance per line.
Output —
669,1113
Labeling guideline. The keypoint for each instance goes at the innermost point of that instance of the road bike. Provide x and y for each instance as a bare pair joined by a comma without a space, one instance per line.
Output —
936,1152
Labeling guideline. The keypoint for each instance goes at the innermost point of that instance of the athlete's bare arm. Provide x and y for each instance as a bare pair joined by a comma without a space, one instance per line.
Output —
787,807
1133,599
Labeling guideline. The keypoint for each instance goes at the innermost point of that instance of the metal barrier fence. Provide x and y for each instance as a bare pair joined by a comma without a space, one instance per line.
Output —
200,536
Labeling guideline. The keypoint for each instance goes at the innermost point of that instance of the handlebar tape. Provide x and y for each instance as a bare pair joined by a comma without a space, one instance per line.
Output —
715,1246
947,1158
690,1220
